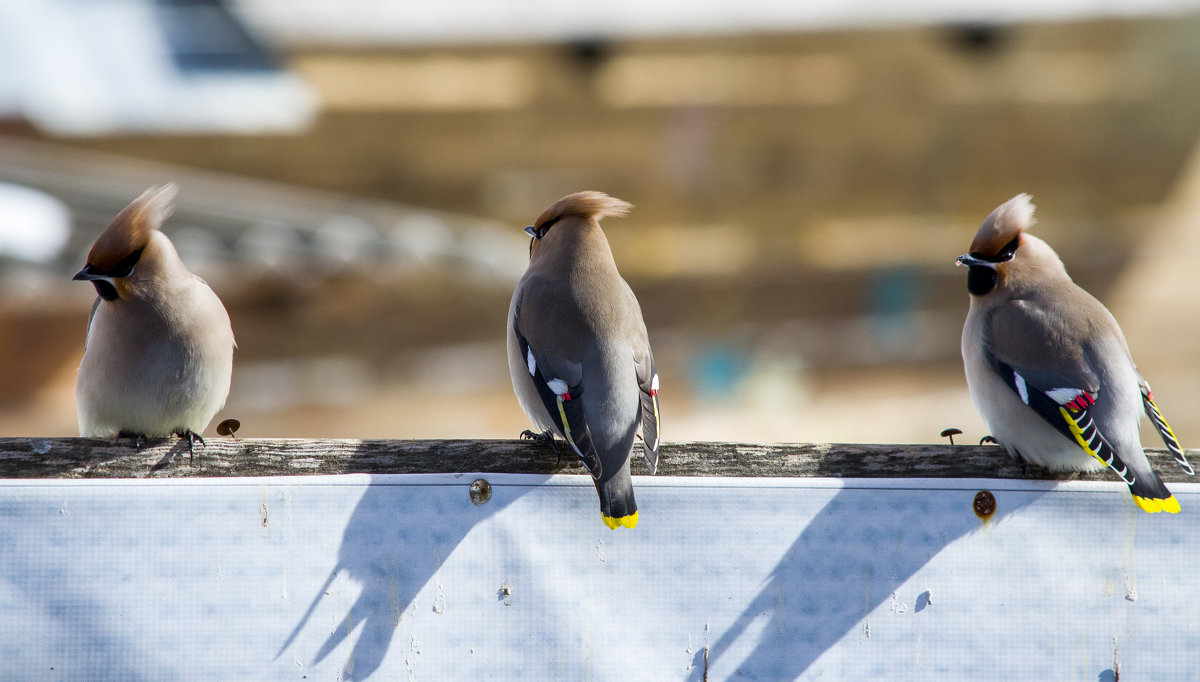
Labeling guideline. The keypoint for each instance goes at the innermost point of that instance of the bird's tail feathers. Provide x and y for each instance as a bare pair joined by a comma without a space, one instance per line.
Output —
1150,494
615,522
617,506
1148,490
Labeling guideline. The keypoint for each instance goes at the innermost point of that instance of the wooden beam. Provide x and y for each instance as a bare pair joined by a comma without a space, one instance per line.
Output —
87,458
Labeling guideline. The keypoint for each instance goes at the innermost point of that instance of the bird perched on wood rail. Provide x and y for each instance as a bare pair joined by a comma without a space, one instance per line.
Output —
1047,365
159,351
578,351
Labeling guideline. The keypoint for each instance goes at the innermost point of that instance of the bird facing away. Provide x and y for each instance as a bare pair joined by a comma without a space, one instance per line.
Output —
1047,366
578,351
159,351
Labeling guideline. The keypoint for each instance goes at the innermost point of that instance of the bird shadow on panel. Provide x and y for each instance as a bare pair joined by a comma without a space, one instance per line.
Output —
854,554
397,538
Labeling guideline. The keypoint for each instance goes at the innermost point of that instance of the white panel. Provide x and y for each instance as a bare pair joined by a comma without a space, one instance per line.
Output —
402,577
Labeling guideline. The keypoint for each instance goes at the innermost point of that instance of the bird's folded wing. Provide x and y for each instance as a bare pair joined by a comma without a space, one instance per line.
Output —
559,384
1066,408
647,376
1070,411
1163,428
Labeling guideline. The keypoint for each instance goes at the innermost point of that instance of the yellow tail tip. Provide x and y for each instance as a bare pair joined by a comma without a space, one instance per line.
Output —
1169,505
616,522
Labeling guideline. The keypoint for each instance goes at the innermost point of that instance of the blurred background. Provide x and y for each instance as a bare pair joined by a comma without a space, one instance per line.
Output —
355,176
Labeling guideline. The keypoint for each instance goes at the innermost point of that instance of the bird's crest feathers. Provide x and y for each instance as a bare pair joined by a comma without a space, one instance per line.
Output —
132,227
1007,222
588,205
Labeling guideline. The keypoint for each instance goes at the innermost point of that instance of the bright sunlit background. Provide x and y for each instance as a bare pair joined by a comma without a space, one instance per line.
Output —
355,176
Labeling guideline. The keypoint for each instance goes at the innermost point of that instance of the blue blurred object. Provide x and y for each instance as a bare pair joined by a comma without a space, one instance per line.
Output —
894,295
717,370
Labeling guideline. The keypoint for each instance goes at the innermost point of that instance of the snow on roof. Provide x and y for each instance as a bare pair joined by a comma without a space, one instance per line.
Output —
34,226
449,21
108,66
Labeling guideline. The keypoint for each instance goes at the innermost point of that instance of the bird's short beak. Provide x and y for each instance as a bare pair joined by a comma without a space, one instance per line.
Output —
88,274
530,231
969,260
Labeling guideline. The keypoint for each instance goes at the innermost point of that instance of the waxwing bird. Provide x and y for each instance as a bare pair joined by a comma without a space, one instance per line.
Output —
159,351
1047,366
578,351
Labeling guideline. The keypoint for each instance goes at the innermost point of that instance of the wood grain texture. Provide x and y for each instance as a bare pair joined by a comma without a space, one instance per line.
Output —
87,458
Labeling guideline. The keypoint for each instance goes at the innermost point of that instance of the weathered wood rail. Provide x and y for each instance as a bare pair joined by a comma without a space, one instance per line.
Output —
87,458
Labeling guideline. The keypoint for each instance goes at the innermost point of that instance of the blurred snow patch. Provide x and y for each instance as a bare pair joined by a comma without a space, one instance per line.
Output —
33,226
270,243
314,381
422,236
200,249
343,240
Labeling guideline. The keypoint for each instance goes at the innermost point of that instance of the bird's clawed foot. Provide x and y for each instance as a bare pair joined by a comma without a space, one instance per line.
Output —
191,437
546,437
988,439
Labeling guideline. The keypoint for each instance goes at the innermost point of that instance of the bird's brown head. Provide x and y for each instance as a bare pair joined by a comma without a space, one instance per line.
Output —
996,244
589,206
120,248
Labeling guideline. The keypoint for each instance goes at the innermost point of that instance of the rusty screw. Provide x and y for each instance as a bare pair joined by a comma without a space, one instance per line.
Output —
985,504
481,491
951,433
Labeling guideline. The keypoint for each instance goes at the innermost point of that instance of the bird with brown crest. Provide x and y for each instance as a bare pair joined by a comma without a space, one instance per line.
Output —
158,356
1047,365
578,351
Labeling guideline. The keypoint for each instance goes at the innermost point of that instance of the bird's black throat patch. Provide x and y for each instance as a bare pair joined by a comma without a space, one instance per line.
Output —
981,279
105,289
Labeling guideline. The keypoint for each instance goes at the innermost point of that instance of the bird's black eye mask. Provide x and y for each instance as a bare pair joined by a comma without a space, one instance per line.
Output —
125,267
1005,254
981,273
99,278
539,231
